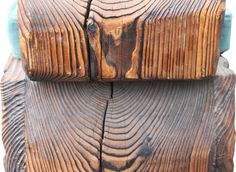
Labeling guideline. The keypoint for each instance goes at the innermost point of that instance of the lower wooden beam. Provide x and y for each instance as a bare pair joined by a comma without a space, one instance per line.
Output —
124,126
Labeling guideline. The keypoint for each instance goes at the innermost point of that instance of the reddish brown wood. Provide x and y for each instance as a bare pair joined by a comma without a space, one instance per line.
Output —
120,40
150,39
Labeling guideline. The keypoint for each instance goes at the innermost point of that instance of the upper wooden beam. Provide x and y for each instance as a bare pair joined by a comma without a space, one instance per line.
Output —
120,40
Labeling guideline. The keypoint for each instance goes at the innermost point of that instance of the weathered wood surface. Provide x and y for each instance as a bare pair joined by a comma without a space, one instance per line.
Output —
64,129
149,39
53,40
171,126
120,40
130,126
52,127
13,108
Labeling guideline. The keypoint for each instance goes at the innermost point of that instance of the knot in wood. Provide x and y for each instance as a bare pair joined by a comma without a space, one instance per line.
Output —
91,26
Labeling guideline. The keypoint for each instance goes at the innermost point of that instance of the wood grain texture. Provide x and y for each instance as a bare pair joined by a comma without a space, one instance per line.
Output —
64,128
224,101
171,126
124,126
13,108
52,38
51,127
120,40
150,39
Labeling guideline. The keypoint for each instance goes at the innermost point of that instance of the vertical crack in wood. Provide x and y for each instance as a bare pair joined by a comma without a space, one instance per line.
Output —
103,125
88,11
87,37
112,89
103,129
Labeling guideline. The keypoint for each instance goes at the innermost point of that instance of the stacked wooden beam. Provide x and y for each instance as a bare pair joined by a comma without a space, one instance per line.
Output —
180,119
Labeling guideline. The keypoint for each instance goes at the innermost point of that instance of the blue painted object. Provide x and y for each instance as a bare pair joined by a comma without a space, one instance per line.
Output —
226,32
13,34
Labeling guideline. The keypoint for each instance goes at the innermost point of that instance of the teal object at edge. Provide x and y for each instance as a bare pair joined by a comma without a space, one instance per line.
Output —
13,34
226,32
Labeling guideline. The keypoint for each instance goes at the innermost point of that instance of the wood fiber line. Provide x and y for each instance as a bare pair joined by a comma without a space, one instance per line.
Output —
53,40
64,128
171,125
13,108
154,39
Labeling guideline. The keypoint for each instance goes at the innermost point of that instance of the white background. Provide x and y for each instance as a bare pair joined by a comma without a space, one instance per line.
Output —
5,49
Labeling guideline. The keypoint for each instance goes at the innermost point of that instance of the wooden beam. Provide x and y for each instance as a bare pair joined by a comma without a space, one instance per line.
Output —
129,126
120,40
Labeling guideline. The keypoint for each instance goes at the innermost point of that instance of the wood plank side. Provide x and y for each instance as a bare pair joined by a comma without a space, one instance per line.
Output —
52,38
154,39
13,114
171,126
